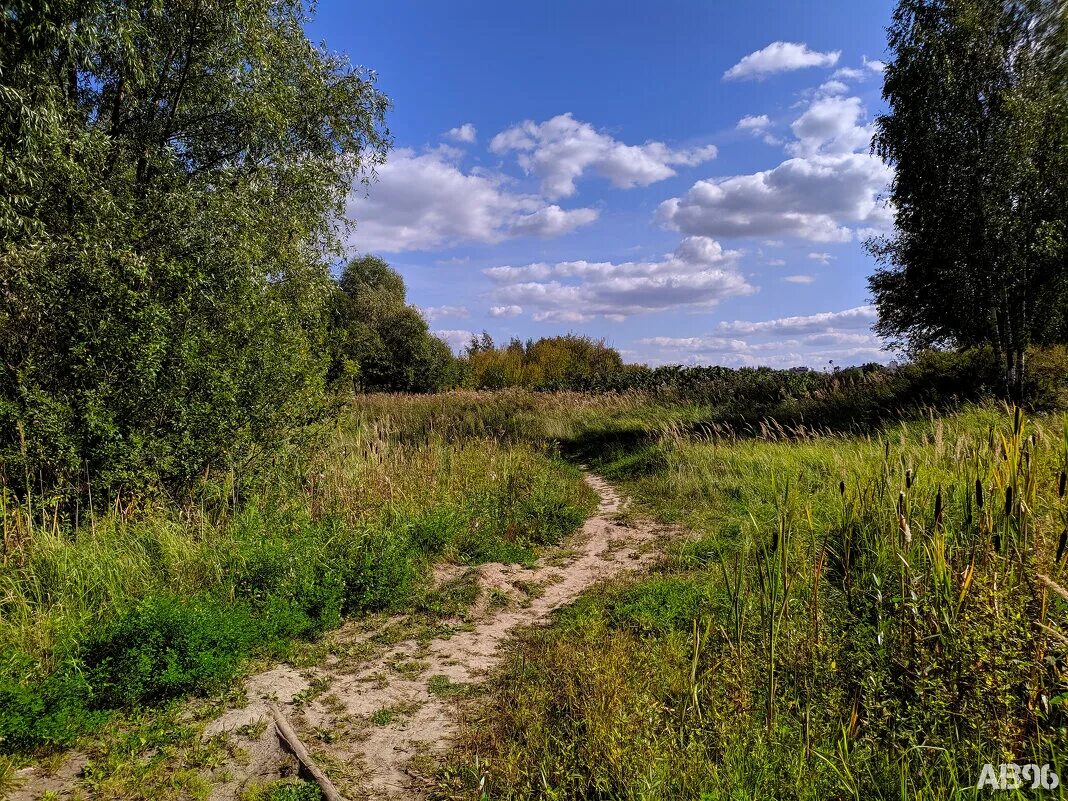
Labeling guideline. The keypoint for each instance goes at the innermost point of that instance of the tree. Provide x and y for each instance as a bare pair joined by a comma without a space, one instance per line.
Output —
569,361
977,131
172,176
378,341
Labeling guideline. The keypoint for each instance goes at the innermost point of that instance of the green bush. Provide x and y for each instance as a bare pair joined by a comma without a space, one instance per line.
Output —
52,710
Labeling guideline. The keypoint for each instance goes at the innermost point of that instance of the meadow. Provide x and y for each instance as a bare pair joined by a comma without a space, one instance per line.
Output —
859,615
860,610
134,604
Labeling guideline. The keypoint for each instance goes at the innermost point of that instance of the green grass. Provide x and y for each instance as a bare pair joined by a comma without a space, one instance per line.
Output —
149,599
849,623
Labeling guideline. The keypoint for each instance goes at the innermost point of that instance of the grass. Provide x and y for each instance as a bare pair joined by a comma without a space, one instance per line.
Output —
853,621
148,599
865,612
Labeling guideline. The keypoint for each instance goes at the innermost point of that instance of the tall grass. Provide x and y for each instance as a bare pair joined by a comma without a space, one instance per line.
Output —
151,598
861,617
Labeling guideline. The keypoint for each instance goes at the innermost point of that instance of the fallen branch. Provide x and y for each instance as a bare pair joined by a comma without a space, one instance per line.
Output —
289,738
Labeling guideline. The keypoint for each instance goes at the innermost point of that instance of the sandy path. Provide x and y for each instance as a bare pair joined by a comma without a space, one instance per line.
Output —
384,755
383,701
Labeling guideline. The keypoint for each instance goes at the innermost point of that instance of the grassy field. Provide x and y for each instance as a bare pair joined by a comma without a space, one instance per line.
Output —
860,612
146,600
859,617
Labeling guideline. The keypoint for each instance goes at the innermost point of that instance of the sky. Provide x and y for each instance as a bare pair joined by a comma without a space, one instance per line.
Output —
690,181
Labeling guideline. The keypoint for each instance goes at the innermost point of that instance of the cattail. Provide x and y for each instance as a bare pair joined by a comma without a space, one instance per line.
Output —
979,494
841,486
1016,421
1061,544
1008,501
938,510
1064,483
908,479
901,504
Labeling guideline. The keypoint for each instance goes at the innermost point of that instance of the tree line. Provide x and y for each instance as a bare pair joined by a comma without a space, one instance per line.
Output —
174,179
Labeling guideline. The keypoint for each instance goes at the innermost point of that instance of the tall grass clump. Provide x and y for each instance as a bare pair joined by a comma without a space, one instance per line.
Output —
132,601
861,617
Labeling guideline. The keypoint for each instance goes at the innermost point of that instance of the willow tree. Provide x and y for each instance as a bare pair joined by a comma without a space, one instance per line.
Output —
977,131
173,175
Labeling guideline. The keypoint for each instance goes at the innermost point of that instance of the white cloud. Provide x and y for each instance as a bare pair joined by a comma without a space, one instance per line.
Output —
822,258
832,88
505,311
553,221
466,133
776,262
848,74
868,68
823,322
779,57
799,279
818,195
812,341
458,339
811,198
830,125
433,313
697,275
560,150
424,201
875,65
752,122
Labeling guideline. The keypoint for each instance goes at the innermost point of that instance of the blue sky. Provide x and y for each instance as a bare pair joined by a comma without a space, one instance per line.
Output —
689,180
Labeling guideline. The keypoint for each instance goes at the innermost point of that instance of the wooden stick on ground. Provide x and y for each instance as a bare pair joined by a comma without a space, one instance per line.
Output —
292,742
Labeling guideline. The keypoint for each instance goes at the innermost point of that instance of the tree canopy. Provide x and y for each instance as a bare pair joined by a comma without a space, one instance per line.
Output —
173,174
549,362
977,131
378,341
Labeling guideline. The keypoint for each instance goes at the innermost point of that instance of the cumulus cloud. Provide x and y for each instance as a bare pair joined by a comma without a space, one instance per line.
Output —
824,322
697,275
553,221
560,150
831,185
830,125
832,88
799,279
812,198
423,201
779,57
754,122
505,311
813,340
867,69
457,338
433,313
466,133
822,258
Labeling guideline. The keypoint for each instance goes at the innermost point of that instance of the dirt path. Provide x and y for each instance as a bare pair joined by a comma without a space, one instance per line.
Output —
381,724
382,700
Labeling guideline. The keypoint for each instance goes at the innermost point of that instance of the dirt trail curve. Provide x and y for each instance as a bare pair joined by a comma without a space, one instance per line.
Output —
382,703
404,721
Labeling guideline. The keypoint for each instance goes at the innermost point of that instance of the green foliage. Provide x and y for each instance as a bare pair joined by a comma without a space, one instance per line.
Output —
852,623
172,175
378,341
284,790
977,133
562,362
135,607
